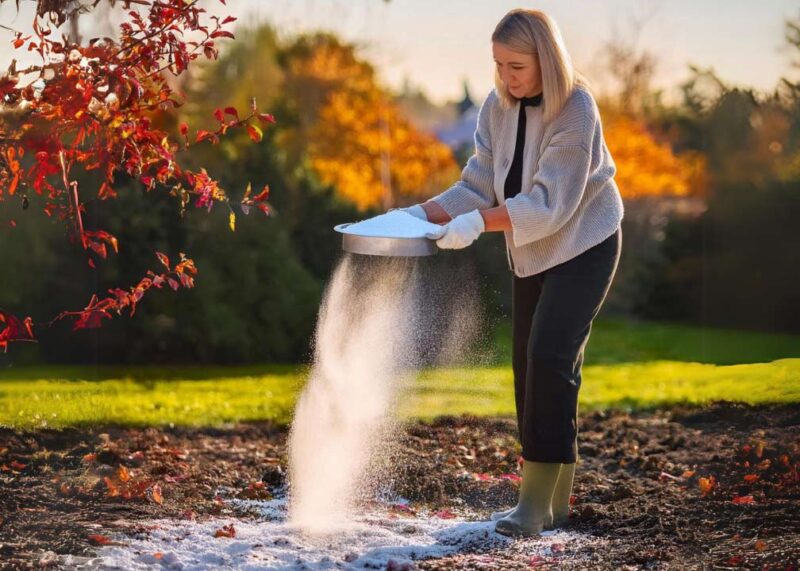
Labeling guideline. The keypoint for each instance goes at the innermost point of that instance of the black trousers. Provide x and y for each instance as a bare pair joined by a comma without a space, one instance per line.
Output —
551,320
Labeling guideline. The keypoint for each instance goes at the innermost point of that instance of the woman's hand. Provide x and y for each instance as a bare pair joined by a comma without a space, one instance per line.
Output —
462,231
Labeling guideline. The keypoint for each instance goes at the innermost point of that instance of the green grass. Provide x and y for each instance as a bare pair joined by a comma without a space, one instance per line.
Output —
624,341
629,365
489,391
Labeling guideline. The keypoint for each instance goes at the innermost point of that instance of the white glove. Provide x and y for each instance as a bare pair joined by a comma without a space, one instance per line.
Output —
462,231
416,211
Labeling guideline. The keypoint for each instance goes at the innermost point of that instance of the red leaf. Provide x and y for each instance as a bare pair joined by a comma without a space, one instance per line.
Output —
742,500
163,259
232,111
226,531
95,539
202,135
222,34
184,129
266,118
228,20
218,114
255,133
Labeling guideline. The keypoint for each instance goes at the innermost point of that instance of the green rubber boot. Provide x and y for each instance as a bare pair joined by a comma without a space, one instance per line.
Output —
562,494
534,511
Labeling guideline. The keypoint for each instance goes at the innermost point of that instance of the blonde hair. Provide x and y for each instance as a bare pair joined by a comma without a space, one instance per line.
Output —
533,32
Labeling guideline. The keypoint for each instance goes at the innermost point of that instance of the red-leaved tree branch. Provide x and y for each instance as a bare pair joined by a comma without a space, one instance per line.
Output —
89,107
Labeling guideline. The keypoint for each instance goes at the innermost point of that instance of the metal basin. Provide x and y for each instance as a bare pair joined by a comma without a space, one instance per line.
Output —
379,246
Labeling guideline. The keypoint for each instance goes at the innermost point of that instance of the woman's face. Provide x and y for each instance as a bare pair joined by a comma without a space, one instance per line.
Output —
520,73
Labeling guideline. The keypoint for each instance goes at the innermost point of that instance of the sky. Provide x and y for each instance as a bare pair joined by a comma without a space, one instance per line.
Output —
437,45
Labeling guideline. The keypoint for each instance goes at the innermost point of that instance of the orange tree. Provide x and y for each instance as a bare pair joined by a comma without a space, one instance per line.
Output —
648,167
89,107
357,139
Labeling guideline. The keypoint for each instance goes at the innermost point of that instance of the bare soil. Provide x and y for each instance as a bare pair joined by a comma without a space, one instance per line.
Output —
715,487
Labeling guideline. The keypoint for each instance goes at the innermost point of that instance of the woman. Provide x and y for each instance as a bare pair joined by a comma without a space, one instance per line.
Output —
542,174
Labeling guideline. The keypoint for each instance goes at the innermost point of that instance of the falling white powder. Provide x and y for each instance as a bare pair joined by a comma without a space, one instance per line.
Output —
361,340
395,224
381,319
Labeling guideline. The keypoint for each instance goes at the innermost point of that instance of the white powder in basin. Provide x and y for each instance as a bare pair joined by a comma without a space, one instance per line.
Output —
394,224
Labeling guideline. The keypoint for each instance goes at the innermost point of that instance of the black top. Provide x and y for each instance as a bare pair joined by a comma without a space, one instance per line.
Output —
513,184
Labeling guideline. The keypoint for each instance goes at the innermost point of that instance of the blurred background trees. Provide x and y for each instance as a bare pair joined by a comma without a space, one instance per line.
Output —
710,185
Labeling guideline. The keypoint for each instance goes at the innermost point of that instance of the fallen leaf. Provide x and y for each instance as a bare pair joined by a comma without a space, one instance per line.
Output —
226,531
403,509
156,493
95,539
750,478
707,484
445,514
112,488
123,474
760,545
743,500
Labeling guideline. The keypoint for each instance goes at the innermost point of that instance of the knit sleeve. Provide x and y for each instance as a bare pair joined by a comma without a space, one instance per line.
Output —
475,189
560,181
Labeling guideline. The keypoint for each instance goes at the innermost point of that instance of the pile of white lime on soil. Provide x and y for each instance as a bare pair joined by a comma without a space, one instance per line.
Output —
376,539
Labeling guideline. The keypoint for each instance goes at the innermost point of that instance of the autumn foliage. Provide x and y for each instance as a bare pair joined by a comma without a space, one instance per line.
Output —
647,167
359,141
90,108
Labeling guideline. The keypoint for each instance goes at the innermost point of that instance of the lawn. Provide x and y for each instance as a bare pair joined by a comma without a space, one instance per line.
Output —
629,365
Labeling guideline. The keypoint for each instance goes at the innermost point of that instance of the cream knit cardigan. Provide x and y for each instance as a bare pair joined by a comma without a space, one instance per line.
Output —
569,201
